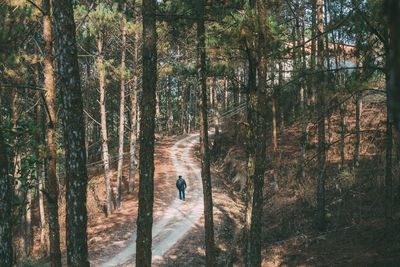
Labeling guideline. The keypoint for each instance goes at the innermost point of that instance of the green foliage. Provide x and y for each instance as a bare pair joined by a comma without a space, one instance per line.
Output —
16,18
20,143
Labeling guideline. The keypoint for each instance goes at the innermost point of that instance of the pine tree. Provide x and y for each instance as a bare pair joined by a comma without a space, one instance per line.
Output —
51,145
146,138
74,133
204,147
321,121
6,194
121,109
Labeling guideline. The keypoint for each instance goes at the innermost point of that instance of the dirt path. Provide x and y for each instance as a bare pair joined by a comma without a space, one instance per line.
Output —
179,217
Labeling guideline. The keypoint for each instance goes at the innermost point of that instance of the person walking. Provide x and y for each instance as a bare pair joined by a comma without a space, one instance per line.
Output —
181,185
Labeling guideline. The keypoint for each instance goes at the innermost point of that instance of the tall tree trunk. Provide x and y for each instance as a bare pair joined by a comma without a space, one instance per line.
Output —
51,141
393,18
342,108
303,98
28,224
226,90
357,130
211,98
147,123
74,134
256,117
20,244
256,143
216,106
132,139
342,105
6,195
39,136
358,109
389,141
327,55
104,138
388,169
204,148
86,96
321,122
169,107
40,189
274,127
313,47
158,113
133,117
184,108
189,108
121,110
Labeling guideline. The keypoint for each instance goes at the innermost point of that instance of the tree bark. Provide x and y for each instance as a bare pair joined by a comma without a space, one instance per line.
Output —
51,141
40,139
256,142
6,195
28,223
170,115
183,110
256,116
358,109
134,118
121,110
158,113
216,106
388,170
393,18
357,130
321,122
204,147
303,99
274,126
132,139
226,91
342,108
313,47
147,124
74,134
20,206
104,137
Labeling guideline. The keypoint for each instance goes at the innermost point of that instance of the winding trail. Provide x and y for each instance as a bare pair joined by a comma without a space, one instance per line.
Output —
180,216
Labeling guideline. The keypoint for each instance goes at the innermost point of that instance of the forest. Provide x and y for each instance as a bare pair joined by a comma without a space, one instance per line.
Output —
282,116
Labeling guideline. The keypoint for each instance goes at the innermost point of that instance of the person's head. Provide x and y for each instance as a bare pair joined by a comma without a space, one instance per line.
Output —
180,176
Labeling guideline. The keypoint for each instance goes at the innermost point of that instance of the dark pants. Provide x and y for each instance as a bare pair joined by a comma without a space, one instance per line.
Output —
182,194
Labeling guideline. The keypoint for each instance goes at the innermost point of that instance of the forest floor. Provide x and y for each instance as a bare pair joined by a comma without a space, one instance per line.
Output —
356,233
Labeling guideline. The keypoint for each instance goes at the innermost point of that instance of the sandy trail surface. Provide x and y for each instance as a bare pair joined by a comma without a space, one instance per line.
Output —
179,217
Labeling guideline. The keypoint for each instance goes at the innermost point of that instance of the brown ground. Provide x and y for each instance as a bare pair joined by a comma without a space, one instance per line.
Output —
356,234
107,235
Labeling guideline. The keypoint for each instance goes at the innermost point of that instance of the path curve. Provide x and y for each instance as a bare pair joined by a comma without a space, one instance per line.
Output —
180,216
